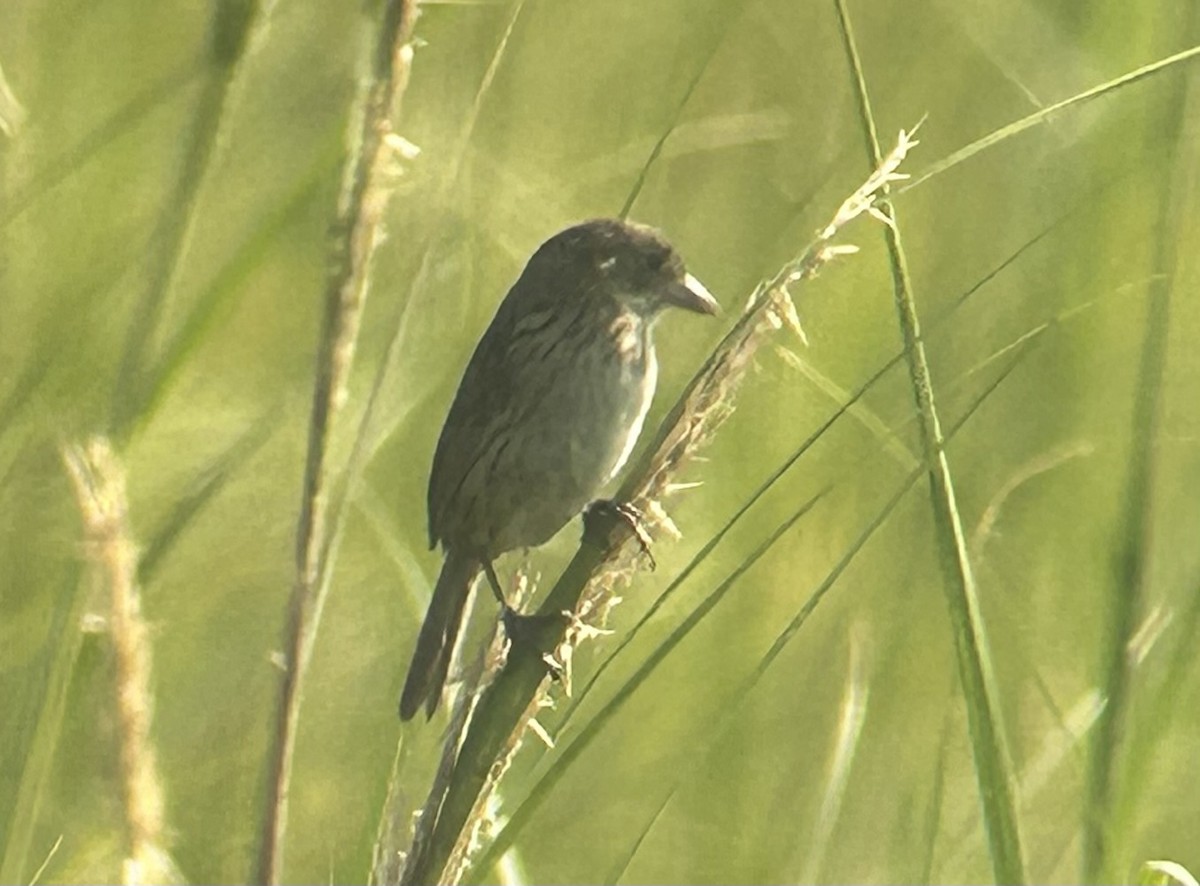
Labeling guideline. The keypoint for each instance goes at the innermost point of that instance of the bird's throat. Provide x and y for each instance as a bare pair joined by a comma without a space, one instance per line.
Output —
640,365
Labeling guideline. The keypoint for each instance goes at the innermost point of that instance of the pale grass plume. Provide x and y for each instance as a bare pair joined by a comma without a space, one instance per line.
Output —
362,199
98,479
771,307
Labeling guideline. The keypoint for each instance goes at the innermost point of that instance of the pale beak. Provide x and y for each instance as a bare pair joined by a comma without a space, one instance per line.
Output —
691,295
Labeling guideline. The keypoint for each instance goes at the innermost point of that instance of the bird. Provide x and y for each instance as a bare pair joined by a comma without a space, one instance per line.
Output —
548,410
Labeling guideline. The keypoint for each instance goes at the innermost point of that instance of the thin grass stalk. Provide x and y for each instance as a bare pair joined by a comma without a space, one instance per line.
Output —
1131,584
993,767
850,724
232,26
937,800
507,706
685,99
355,234
366,443
99,483
620,869
395,830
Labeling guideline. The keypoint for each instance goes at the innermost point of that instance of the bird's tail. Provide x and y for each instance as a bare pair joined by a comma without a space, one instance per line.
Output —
435,644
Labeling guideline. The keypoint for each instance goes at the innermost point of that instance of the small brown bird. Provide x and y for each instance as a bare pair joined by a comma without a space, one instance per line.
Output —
548,410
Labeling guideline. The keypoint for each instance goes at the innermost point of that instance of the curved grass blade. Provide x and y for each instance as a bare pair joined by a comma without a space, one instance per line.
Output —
220,295
850,724
203,489
130,115
230,40
1038,117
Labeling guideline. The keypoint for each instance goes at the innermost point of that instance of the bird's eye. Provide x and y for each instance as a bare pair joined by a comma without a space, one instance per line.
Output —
608,264
658,260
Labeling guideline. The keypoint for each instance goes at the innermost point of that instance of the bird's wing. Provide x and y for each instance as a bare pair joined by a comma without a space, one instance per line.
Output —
476,424
493,396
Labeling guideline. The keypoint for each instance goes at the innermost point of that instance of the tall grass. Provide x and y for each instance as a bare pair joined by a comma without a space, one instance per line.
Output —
930,608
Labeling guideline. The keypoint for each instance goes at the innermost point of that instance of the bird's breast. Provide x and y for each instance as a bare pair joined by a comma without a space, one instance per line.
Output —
538,452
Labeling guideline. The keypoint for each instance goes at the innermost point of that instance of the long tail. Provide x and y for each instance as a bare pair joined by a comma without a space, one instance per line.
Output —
435,644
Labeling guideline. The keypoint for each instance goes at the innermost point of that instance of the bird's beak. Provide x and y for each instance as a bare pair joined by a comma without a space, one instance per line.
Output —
690,294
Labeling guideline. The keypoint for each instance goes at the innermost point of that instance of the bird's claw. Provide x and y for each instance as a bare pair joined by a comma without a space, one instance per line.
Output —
637,524
627,514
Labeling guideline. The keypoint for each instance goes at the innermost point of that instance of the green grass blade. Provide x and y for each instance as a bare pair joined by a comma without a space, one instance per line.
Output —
621,868
233,22
656,151
204,487
221,294
993,766
933,814
1131,585
1045,114
59,169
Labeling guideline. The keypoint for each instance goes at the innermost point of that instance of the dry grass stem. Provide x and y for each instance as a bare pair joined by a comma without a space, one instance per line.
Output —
357,231
770,308
99,483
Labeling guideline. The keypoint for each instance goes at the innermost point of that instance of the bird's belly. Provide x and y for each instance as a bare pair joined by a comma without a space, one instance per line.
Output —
580,435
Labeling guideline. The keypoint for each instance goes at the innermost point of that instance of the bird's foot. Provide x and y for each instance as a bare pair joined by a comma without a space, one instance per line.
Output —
539,633
604,516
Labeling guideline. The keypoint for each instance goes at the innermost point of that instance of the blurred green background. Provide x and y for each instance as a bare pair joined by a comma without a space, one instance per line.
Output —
164,209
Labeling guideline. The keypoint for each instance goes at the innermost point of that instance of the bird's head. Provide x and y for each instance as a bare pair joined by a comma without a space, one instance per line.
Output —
632,264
